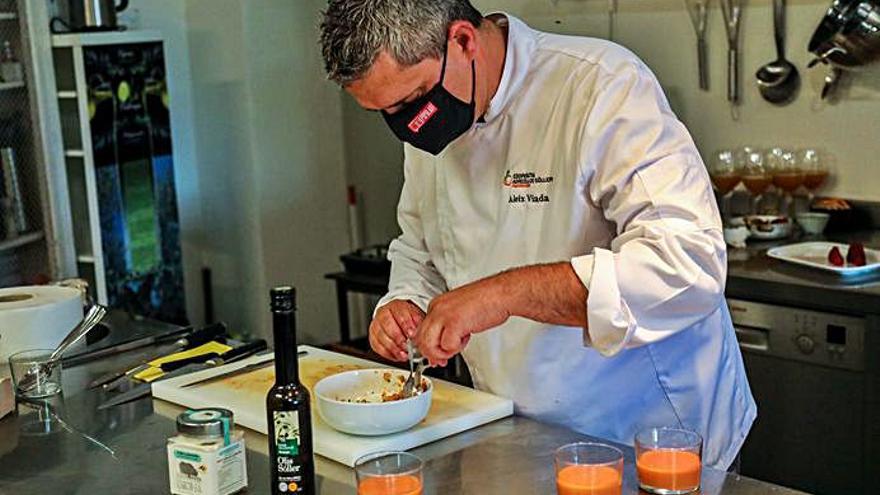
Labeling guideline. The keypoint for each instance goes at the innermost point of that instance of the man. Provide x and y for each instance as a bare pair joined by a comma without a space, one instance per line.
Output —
558,226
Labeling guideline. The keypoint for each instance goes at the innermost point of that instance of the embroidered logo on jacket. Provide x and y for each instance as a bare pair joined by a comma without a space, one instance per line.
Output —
525,180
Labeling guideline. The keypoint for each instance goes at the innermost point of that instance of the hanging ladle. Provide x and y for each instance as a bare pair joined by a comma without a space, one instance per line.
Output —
778,81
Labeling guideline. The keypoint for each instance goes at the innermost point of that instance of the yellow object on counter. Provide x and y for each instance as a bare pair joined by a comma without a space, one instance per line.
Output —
154,372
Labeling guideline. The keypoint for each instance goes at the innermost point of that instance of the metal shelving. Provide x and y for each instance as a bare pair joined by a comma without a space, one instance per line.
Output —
6,86
21,240
24,246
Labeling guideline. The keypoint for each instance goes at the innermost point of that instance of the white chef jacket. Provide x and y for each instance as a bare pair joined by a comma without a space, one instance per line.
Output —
580,158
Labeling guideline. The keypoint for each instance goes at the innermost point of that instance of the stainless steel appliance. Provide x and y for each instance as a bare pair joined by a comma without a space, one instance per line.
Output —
92,15
807,370
849,35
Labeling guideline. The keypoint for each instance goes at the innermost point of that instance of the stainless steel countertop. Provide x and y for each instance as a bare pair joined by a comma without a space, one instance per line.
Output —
753,275
122,451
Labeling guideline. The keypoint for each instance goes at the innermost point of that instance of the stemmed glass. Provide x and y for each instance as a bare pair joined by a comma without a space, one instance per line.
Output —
755,176
787,176
725,175
815,170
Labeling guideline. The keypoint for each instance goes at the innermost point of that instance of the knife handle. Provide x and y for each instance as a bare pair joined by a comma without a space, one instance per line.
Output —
205,335
180,363
243,351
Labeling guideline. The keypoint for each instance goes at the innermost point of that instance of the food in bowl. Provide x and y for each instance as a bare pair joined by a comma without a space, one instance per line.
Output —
397,381
370,401
768,227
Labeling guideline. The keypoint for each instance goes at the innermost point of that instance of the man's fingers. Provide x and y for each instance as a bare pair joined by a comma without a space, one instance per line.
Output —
391,324
377,345
395,351
403,316
429,337
451,340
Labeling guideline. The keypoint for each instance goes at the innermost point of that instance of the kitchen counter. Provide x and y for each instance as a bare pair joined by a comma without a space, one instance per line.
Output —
754,276
69,447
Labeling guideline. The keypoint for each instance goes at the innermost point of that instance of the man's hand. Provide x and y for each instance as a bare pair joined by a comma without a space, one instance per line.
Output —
393,324
454,316
550,293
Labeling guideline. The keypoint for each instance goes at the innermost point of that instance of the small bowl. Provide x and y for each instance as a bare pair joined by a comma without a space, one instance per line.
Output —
335,395
813,223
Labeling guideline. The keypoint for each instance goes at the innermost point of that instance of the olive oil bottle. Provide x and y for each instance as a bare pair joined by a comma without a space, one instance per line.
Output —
287,406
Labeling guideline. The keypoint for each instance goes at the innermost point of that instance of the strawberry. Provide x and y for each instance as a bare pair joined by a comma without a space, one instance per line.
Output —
835,258
855,255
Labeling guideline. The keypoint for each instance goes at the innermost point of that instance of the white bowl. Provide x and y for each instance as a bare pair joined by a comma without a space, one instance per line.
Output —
336,395
813,223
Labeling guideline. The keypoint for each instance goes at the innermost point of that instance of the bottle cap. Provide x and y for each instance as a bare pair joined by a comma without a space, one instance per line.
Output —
283,298
205,423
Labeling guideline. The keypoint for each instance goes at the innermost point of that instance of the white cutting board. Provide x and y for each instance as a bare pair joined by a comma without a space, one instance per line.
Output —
454,408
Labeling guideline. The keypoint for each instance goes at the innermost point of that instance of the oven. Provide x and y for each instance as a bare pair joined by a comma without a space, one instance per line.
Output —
807,373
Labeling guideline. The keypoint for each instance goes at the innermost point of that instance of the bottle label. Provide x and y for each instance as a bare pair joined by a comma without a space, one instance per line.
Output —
286,435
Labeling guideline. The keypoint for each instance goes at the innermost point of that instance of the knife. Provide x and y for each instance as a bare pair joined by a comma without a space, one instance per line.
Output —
142,390
162,338
189,341
238,371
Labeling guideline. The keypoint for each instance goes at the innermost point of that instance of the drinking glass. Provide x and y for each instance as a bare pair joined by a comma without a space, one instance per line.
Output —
389,473
815,171
755,176
588,469
669,460
787,175
725,175
34,375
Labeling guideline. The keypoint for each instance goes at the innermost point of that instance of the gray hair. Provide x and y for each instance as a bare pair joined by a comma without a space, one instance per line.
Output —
354,32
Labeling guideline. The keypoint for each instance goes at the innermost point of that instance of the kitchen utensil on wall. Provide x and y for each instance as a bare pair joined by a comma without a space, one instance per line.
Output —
778,81
848,37
612,18
699,12
15,221
732,12
36,317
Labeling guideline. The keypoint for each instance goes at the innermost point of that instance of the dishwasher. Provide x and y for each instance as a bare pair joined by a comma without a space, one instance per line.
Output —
807,374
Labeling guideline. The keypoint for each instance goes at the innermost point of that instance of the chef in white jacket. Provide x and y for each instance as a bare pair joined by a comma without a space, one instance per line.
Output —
558,225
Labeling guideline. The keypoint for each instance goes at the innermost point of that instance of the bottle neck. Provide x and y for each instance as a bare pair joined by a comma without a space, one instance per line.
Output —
286,361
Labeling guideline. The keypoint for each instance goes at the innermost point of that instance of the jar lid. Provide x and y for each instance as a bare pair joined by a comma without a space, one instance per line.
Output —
211,422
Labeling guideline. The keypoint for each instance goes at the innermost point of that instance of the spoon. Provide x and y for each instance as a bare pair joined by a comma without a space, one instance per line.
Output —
93,317
778,81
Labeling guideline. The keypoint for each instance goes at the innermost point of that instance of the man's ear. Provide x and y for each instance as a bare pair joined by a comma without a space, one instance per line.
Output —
463,34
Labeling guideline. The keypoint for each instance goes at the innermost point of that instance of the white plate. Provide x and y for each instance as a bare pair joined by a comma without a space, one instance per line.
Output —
815,255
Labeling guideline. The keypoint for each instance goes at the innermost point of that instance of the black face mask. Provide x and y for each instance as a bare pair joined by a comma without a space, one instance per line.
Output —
436,119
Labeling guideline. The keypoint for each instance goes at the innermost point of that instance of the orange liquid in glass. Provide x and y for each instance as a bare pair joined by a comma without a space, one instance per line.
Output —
726,182
788,181
814,180
669,469
757,184
588,480
391,485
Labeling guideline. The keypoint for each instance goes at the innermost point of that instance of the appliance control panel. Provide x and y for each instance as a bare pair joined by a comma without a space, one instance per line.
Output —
827,339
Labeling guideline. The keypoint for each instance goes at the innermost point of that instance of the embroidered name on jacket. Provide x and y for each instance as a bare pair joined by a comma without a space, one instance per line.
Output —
525,180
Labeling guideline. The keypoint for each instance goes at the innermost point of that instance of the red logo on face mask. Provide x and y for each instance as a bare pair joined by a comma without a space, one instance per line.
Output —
422,117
